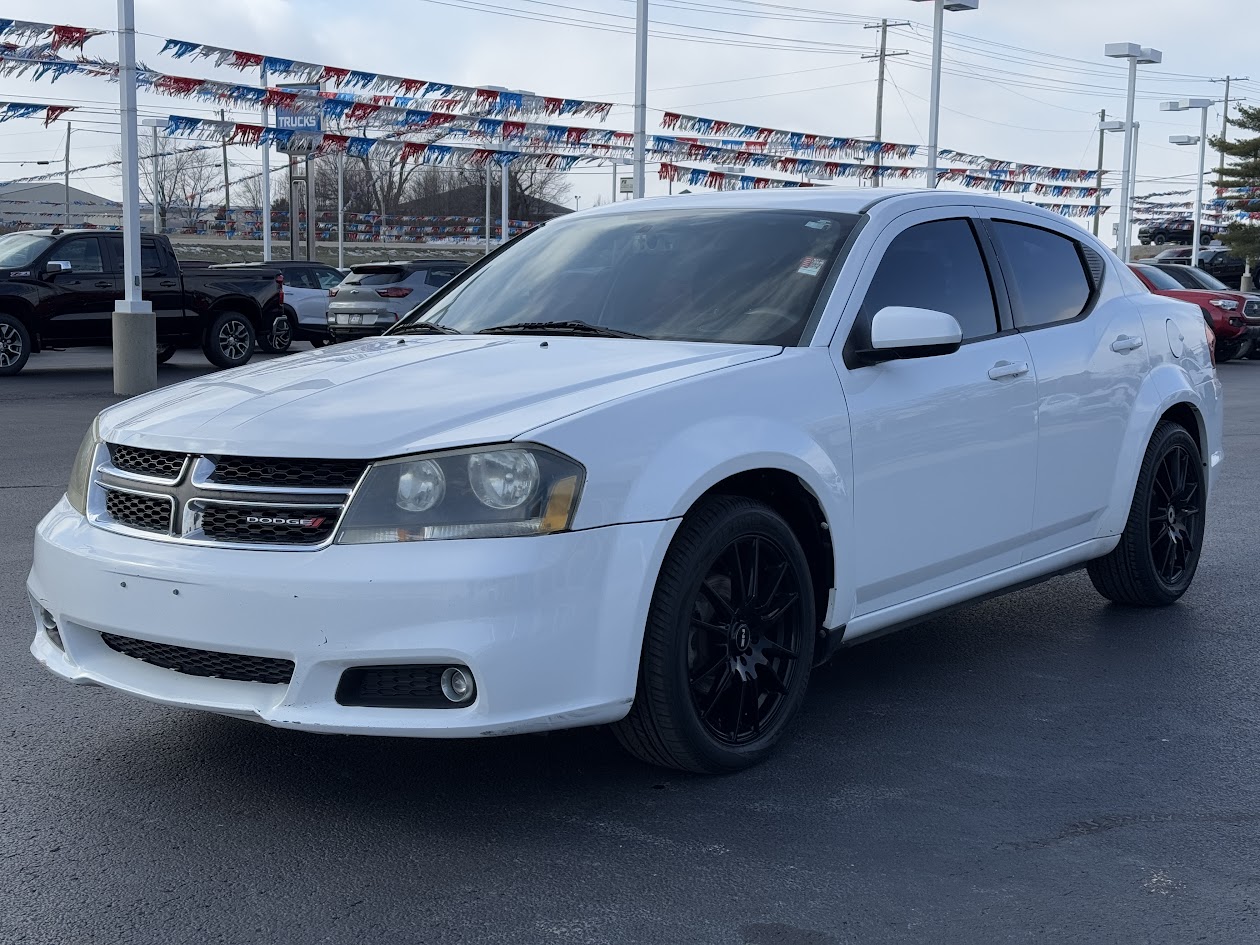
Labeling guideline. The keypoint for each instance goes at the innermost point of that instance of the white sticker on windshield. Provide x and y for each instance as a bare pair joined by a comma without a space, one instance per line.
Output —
819,224
811,266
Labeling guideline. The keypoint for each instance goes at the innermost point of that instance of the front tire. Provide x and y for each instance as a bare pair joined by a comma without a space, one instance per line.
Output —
729,642
165,352
1227,350
229,341
1159,549
279,334
1160,239
15,345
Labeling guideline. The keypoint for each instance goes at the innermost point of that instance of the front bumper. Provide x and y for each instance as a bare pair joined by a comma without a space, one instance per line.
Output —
551,627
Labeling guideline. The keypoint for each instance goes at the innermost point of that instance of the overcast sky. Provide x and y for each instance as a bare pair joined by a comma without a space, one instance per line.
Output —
1027,79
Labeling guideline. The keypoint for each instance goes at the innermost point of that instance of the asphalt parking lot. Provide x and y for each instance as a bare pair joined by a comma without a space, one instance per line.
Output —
1040,768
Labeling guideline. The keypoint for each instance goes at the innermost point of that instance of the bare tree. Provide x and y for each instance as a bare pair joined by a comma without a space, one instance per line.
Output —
188,179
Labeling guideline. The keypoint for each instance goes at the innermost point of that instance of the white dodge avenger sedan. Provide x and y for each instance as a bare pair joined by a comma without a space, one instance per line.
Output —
644,466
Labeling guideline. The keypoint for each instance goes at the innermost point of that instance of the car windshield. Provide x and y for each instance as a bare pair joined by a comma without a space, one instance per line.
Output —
21,249
717,275
1160,279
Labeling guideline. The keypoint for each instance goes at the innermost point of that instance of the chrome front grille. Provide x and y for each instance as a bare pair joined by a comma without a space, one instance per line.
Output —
224,501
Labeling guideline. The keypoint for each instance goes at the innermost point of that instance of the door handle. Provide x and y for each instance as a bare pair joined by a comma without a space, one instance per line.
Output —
103,285
167,285
1125,344
1008,369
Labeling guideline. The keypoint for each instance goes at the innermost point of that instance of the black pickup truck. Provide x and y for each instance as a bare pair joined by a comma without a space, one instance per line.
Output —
58,289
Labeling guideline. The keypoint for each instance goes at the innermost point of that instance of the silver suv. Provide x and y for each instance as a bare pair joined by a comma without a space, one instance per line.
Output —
374,296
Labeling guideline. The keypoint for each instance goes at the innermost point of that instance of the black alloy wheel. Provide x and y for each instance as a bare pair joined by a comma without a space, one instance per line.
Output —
729,642
15,345
1175,515
745,641
1158,554
229,341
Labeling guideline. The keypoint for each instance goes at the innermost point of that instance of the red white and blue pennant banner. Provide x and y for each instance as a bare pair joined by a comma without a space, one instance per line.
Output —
494,101
56,37
50,113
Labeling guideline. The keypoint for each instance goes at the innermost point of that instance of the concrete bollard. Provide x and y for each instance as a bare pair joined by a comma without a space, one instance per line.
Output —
135,348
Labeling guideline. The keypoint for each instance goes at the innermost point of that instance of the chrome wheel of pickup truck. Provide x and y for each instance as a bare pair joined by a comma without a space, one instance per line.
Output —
15,345
278,336
229,341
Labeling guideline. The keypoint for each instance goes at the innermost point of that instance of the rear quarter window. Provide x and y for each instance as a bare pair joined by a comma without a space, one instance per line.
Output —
1046,274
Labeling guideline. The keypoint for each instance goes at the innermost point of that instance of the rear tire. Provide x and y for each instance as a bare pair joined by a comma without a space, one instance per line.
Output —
279,334
15,345
729,642
1158,554
1160,239
229,341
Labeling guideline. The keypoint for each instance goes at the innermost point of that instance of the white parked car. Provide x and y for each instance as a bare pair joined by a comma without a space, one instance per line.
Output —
647,465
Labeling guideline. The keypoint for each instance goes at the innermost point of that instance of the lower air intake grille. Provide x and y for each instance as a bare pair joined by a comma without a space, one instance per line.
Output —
270,525
148,513
161,464
287,473
394,687
182,659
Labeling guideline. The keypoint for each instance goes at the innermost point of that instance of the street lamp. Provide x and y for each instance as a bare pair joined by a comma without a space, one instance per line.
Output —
1103,128
934,115
134,332
1185,105
1137,55
154,124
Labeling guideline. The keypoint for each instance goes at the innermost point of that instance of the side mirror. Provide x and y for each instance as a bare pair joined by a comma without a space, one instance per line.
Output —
900,331
55,266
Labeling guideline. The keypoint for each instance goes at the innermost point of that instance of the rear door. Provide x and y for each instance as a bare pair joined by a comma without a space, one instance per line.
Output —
1088,346
160,284
82,307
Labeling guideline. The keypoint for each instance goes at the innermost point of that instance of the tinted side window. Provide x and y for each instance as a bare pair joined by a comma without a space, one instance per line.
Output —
938,266
299,278
150,258
84,255
328,278
1048,280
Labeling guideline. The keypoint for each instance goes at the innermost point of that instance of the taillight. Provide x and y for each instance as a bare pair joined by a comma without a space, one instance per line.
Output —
1211,340
280,286
394,292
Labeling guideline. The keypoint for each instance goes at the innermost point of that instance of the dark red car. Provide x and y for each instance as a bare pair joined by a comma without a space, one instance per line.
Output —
1234,317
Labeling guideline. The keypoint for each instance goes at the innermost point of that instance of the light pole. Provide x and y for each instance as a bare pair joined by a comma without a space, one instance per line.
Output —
640,95
934,114
1185,105
154,158
134,333
1137,55
1103,128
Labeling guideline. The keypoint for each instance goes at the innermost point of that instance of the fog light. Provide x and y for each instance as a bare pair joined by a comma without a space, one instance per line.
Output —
49,624
457,685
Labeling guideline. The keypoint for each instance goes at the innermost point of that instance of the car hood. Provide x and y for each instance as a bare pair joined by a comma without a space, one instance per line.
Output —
394,395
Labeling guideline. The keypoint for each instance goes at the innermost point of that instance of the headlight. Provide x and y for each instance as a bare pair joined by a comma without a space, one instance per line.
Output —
1228,304
81,471
501,492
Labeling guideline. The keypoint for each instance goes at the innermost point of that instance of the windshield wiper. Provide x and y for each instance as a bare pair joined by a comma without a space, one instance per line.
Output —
559,328
425,328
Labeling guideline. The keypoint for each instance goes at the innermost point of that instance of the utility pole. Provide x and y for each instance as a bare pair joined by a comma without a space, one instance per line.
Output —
227,184
1220,175
1102,137
266,178
67,175
882,55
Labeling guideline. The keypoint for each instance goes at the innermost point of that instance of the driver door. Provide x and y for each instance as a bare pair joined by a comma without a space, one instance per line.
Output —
944,447
82,305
